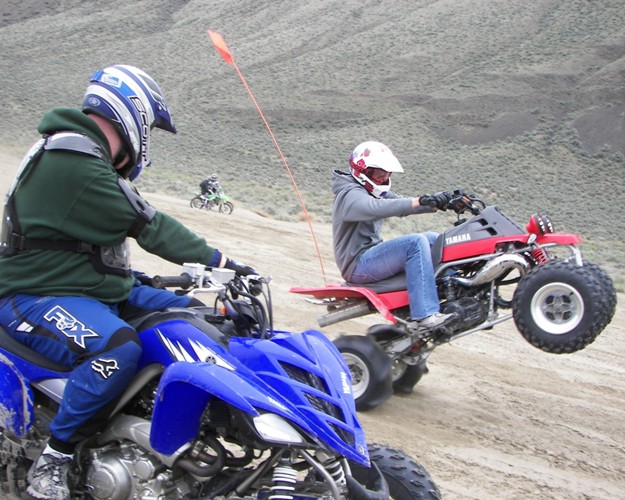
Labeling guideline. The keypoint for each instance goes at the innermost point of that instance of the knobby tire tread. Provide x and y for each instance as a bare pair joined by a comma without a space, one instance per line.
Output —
588,283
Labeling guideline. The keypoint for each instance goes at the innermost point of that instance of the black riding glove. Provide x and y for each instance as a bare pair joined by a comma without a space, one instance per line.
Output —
240,269
438,200
141,277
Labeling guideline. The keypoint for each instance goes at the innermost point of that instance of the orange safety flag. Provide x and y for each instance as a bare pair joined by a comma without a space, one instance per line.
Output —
223,49
220,45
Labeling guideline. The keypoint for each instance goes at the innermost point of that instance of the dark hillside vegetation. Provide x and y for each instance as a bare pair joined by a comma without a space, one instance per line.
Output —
521,103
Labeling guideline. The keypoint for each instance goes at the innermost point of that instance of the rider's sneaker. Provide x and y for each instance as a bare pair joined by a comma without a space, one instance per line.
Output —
432,322
48,477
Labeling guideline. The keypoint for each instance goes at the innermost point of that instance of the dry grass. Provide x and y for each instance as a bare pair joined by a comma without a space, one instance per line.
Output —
520,103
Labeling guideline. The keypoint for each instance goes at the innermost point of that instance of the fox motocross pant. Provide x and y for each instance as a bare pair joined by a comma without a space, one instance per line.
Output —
93,339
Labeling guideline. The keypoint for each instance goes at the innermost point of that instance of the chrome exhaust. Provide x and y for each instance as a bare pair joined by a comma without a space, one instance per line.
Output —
495,268
349,310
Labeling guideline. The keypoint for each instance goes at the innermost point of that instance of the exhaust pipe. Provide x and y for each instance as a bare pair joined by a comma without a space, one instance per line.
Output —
137,430
495,268
353,310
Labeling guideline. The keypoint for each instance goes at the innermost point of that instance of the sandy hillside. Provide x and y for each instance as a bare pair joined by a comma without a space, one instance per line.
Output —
494,418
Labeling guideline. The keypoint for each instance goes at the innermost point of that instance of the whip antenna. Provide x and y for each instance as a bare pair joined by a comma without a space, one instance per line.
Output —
225,53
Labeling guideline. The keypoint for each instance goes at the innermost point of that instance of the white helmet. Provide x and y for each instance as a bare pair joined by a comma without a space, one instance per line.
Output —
368,157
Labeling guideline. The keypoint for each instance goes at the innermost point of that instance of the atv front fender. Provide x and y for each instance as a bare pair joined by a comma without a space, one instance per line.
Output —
559,239
183,393
16,399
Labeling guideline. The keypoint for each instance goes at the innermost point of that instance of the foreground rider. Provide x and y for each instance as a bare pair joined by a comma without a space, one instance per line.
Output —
67,289
362,199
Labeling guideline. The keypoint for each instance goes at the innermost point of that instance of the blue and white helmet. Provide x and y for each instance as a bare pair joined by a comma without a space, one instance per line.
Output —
133,101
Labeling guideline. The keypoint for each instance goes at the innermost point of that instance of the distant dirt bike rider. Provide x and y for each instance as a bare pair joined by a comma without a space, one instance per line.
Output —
362,199
67,288
210,185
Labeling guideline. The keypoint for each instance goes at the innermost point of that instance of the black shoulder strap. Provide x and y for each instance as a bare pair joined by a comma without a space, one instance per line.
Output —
13,240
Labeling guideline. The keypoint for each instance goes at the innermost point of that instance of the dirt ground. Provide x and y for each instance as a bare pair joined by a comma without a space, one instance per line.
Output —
494,418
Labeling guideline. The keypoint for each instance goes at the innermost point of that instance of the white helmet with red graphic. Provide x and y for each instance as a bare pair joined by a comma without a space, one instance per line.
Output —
372,164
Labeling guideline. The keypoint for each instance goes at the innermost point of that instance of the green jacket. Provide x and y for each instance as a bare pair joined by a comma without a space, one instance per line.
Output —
68,195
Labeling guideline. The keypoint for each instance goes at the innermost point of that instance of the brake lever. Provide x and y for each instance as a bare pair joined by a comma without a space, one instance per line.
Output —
473,208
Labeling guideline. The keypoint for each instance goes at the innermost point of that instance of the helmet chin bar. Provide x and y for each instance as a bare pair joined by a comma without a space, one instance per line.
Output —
375,190
129,170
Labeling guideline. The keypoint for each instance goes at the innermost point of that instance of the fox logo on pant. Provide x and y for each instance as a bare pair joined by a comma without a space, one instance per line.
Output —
105,367
69,326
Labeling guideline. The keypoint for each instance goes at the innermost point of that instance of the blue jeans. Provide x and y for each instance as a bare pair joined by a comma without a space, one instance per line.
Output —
93,339
410,253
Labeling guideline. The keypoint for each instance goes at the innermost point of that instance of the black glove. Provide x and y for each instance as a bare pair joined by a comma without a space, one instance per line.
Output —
240,269
459,203
141,277
438,200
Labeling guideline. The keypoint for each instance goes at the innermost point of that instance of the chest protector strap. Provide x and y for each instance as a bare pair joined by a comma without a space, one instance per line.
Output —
105,260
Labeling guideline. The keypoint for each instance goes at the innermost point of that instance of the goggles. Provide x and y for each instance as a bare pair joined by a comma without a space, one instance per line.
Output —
377,175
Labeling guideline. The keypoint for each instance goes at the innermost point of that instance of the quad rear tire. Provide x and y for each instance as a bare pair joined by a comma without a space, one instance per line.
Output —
405,376
560,307
406,478
370,370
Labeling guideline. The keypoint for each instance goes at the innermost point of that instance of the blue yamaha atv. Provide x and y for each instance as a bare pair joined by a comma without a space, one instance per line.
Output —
222,407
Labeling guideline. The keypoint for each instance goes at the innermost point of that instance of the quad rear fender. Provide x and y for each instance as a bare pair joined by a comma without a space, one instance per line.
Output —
16,399
383,302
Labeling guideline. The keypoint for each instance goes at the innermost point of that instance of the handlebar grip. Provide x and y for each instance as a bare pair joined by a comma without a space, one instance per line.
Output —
183,281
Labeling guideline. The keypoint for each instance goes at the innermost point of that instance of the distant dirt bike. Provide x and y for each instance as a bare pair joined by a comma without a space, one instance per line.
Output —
210,201
559,302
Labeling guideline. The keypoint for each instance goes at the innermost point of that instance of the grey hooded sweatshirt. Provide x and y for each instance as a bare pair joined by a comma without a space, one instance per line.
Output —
357,219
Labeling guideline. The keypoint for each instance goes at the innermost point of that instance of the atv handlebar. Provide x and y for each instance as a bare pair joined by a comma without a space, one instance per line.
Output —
183,281
245,299
462,202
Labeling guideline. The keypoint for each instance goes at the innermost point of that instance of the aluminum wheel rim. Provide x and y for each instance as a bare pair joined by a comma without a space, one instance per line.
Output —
359,372
398,369
557,308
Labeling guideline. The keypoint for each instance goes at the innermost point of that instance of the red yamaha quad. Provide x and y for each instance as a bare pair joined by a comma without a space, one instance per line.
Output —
488,270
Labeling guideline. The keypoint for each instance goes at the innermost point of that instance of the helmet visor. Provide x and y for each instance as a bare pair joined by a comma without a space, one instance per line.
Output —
377,175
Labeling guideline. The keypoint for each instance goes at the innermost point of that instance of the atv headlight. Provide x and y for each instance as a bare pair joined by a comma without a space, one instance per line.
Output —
274,428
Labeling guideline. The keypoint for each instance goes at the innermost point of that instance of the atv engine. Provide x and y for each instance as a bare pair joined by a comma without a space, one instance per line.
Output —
126,471
469,311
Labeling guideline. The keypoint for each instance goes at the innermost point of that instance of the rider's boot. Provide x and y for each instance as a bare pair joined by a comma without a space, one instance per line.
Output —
431,323
48,476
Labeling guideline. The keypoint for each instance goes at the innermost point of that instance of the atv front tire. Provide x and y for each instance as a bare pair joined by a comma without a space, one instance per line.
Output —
406,478
560,307
607,285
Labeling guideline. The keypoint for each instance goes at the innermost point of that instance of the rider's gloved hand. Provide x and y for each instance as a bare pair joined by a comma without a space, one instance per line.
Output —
141,277
438,200
459,204
239,268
